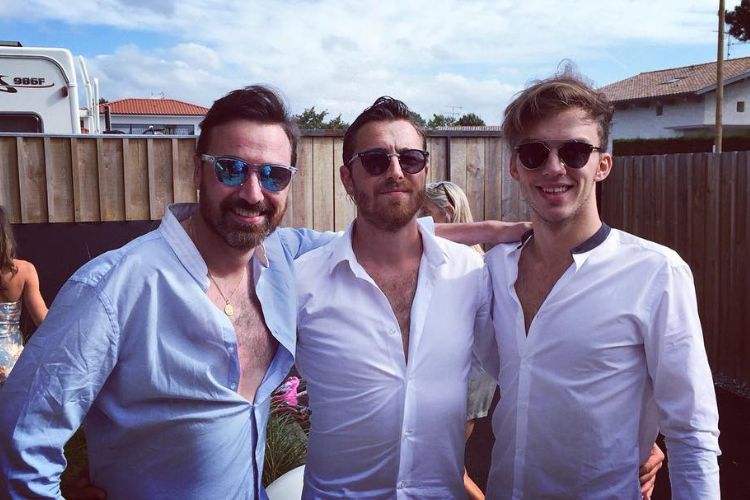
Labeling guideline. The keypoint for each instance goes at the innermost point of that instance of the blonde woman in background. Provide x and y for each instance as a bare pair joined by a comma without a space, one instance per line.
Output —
18,282
446,202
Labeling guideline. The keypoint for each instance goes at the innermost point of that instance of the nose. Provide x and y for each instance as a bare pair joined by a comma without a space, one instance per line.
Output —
250,190
553,165
394,168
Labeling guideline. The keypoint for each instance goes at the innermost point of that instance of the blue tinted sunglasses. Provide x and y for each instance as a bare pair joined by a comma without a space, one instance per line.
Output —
234,172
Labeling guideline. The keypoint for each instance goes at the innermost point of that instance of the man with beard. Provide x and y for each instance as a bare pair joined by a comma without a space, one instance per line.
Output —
168,348
386,319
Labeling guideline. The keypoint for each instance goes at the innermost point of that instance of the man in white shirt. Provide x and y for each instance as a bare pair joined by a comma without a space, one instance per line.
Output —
598,332
386,320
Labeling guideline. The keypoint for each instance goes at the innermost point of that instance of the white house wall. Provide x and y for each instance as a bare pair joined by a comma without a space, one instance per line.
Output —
156,120
641,122
739,91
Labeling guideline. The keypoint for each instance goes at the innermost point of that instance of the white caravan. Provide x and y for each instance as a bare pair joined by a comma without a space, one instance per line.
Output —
39,92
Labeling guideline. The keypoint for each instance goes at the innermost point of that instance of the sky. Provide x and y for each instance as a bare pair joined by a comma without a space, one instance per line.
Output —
438,56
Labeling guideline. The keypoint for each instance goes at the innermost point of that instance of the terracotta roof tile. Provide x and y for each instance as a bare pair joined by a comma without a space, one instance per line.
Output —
673,81
169,107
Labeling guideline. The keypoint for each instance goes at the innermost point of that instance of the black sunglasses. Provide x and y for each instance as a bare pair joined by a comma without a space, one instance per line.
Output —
574,154
234,172
377,161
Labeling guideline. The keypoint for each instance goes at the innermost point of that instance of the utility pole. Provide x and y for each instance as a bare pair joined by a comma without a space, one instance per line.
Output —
719,79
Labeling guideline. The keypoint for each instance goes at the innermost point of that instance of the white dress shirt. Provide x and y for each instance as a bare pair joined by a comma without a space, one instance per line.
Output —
382,428
614,354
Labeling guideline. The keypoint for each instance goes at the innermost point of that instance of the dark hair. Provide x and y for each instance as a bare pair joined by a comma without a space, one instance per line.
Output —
545,98
383,109
256,103
7,244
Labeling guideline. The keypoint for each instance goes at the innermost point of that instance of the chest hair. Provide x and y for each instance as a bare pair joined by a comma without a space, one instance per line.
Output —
256,346
399,287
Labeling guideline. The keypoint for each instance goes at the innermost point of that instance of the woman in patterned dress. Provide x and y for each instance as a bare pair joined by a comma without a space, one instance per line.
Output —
18,282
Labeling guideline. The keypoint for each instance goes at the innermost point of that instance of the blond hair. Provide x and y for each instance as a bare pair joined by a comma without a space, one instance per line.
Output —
452,200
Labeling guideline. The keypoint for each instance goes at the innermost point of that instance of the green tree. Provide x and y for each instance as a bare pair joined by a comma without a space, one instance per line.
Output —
440,121
738,21
311,119
336,124
418,118
470,120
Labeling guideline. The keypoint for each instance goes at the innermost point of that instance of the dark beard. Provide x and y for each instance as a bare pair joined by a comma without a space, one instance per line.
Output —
394,215
241,236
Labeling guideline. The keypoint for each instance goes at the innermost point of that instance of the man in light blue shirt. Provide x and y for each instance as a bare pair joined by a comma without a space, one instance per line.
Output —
167,349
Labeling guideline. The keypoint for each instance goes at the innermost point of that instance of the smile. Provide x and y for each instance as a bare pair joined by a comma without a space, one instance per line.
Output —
555,190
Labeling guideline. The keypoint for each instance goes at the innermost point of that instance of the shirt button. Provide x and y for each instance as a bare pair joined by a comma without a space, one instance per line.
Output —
392,331
233,386
402,484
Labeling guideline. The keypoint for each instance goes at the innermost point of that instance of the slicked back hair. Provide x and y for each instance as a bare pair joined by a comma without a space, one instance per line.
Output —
384,109
257,103
546,98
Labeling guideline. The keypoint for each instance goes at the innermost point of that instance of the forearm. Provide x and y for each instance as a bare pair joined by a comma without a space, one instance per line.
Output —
489,232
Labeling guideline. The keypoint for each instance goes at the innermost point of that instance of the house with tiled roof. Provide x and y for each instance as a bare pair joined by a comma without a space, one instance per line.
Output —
149,116
680,101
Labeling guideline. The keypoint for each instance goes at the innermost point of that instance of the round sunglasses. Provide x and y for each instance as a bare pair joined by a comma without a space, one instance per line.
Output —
377,161
234,172
573,154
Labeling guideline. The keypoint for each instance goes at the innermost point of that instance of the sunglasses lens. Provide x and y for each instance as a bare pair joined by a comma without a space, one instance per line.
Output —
575,154
273,177
231,172
412,160
532,154
375,162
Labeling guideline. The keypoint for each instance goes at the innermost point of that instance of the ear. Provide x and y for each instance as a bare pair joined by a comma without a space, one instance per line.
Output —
197,170
514,167
604,167
345,174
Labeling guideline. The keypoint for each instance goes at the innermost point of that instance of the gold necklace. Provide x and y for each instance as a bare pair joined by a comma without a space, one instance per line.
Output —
228,309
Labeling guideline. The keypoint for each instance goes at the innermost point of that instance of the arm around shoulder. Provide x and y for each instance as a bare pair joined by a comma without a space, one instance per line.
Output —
489,232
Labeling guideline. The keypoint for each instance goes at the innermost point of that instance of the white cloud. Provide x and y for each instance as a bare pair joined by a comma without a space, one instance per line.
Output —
340,55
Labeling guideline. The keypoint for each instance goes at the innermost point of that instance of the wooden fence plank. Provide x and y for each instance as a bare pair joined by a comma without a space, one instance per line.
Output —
135,179
59,170
493,175
10,194
32,179
111,179
182,159
323,184
85,180
160,193
475,166
457,161
437,147
302,194
344,210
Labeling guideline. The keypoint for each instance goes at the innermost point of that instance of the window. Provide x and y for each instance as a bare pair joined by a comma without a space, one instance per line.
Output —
659,110
740,106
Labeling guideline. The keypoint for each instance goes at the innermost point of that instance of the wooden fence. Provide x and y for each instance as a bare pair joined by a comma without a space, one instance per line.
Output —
113,178
696,204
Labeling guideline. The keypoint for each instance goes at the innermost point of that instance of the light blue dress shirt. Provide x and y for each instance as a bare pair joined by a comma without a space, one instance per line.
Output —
133,348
